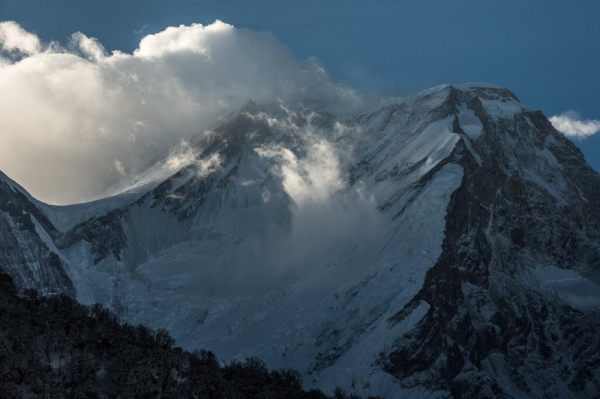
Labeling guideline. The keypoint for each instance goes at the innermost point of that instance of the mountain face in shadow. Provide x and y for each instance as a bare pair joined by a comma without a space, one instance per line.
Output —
442,243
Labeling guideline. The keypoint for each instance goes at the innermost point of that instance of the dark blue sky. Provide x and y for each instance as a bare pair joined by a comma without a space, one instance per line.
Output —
547,52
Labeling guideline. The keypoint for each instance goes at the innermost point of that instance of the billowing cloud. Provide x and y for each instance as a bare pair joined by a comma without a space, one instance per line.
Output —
74,119
571,124
89,47
14,38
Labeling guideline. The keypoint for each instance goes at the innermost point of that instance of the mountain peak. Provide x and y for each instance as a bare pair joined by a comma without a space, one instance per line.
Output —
4,179
250,108
487,91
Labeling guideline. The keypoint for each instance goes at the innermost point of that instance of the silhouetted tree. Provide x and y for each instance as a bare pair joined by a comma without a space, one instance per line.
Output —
54,347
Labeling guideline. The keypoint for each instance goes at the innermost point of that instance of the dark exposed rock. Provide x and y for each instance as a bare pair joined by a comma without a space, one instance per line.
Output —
481,316
105,234
24,252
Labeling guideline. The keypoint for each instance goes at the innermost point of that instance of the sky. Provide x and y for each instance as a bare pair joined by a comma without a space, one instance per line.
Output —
547,52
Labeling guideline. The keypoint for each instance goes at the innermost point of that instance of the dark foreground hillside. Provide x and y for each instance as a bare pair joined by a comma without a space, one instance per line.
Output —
54,348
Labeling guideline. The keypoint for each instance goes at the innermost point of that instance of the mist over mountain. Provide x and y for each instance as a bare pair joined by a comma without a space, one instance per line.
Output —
100,116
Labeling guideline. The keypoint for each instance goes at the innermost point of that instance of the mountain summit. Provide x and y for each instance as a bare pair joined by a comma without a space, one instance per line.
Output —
445,242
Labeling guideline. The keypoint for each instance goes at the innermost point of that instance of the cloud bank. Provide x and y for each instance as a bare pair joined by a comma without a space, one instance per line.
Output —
74,119
571,124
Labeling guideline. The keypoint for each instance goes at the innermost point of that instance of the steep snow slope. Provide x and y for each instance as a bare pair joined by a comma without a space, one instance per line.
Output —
227,253
405,247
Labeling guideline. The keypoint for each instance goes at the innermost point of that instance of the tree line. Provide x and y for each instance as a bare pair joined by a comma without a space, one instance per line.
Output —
54,347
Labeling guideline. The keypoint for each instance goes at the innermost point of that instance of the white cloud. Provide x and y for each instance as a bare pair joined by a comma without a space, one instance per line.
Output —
120,168
312,179
15,38
90,47
141,30
195,38
76,109
571,124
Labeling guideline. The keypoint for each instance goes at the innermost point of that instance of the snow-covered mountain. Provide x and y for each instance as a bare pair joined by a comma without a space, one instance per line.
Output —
445,242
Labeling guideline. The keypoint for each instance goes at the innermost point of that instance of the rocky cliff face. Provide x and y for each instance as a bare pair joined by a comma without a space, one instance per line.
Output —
435,244
27,249
525,217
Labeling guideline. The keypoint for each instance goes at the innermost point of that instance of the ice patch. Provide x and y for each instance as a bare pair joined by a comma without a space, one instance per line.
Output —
568,285
469,123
